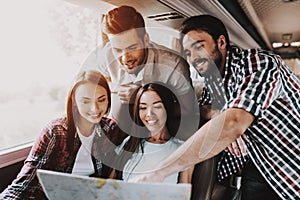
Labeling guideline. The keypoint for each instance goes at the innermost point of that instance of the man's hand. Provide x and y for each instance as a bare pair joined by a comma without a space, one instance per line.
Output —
238,147
126,91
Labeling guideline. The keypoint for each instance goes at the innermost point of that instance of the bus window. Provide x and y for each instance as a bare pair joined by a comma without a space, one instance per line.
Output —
42,46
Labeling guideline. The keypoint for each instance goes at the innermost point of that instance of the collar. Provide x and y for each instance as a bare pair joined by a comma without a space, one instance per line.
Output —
98,130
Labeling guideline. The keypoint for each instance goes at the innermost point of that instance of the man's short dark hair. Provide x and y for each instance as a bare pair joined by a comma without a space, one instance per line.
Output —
210,24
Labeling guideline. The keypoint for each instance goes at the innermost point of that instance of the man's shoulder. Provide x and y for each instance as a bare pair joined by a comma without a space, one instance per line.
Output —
255,59
239,52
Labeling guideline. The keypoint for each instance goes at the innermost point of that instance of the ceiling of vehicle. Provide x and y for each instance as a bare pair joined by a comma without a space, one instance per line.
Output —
276,21
250,23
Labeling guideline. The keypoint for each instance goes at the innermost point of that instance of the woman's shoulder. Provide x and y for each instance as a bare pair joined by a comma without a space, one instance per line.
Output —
112,130
57,125
59,121
54,129
176,140
109,126
108,123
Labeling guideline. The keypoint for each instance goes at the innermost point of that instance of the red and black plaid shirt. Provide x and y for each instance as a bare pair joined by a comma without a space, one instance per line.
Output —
262,84
50,152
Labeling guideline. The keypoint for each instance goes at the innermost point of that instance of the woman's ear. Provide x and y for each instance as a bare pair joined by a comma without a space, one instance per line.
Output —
222,42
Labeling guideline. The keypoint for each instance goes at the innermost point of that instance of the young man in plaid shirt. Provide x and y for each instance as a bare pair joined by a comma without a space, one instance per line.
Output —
259,98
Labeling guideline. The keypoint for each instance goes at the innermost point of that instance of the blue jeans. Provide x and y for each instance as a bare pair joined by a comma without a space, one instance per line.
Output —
254,186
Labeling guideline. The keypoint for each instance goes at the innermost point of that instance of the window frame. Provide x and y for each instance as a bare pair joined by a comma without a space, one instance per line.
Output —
15,154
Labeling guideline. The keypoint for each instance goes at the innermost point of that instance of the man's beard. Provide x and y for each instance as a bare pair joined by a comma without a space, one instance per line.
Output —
213,64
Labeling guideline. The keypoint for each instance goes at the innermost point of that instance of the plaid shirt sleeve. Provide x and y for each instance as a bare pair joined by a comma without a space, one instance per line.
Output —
26,185
262,84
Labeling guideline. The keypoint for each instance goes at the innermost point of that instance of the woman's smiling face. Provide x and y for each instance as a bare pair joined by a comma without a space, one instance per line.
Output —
152,112
91,101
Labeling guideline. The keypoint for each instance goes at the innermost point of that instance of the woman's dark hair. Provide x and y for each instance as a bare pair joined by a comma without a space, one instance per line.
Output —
207,23
89,76
172,107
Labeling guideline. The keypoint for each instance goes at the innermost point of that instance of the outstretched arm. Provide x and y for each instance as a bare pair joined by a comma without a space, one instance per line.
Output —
207,142
186,176
237,147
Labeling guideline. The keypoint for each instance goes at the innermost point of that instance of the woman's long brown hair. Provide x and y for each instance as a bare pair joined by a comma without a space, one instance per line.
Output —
72,110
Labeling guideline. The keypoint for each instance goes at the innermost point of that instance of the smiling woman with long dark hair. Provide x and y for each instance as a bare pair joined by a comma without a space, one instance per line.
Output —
155,114
82,142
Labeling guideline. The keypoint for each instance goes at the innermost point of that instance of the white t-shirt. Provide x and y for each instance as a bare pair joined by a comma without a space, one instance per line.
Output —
153,155
83,163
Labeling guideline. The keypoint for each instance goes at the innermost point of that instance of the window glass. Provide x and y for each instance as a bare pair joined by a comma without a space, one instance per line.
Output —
42,46
163,35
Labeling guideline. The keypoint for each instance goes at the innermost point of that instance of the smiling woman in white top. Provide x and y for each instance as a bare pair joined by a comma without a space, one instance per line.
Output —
155,113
